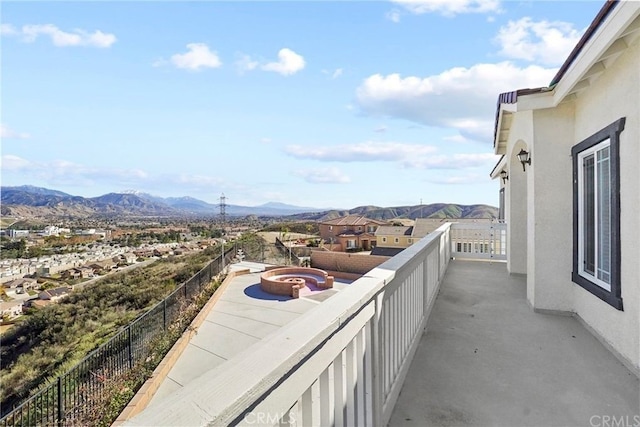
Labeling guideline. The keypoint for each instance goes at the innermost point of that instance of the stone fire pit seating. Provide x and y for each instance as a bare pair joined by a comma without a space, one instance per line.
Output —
290,280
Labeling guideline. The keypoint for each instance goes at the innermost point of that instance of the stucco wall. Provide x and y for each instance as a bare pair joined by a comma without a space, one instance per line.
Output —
403,241
520,136
613,96
346,262
550,244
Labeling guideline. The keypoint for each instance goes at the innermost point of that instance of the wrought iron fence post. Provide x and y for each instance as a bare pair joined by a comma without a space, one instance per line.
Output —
60,415
130,347
164,314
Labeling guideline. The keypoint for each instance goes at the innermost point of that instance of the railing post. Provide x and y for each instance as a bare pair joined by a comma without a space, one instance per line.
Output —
164,314
130,347
60,414
377,362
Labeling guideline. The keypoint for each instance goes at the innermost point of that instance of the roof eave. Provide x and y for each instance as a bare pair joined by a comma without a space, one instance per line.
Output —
595,24
499,167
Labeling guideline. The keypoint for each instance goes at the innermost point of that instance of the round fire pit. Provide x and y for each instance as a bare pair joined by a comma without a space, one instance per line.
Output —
290,280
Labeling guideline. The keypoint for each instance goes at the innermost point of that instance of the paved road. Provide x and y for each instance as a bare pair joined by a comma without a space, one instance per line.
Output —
119,270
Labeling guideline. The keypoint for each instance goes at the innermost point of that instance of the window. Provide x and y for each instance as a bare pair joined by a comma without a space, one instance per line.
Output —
596,214
409,240
359,228
396,240
384,240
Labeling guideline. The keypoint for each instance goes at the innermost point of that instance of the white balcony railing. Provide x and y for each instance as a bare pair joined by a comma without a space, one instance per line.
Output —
479,240
342,363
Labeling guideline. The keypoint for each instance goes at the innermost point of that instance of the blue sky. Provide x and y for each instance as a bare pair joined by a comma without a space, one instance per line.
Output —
321,104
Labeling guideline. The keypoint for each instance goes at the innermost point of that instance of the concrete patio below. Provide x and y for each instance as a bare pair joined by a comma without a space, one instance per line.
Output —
487,359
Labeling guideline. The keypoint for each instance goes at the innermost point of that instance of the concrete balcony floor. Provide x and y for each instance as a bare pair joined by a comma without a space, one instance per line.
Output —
487,359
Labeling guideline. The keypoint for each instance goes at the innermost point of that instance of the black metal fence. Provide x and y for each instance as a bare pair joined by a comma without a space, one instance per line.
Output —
287,252
72,396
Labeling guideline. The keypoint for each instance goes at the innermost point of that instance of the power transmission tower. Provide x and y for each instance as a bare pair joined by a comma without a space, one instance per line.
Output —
223,210
223,217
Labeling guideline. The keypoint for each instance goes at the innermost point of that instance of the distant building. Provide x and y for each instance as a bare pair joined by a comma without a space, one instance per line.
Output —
52,230
350,232
394,236
55,295
16,234
10,309
23,282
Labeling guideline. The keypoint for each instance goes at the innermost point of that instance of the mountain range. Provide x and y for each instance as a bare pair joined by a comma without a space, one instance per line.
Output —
27,200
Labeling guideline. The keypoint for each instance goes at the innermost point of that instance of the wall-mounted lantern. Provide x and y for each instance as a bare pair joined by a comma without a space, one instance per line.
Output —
524,158
504,175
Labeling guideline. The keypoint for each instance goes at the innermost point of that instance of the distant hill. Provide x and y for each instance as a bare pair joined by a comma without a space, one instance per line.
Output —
51,203
28,200
38,190
36,201
436,210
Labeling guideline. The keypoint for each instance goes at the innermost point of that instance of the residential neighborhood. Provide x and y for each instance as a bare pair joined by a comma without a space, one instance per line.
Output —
39,281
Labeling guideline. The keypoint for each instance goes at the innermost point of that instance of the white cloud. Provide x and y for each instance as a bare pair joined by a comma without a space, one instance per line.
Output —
545,42
449,7
245,63
7,133
381,129
14,163
200,181
63,172
362,152
76,37
337,73
454,161
160,62
455,138
8,30
288,63
393,16
329,175
468,179
198,56
460,98
406,155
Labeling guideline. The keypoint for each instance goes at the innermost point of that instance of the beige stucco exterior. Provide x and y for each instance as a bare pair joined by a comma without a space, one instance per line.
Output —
539,202
391,236
349,232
